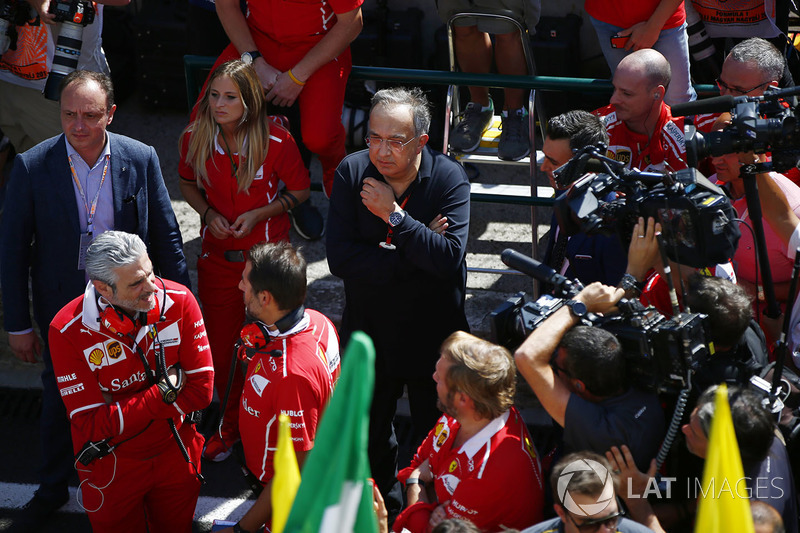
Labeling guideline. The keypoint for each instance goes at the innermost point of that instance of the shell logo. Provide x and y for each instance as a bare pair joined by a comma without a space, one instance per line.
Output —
96,357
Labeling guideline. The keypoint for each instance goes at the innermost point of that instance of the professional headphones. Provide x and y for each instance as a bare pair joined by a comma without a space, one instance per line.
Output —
122,324
253,338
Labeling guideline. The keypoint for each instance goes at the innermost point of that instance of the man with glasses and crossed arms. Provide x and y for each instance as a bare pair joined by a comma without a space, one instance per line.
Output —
397,236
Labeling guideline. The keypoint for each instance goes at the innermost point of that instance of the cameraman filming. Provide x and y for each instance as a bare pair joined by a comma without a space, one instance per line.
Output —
740,346
579,375
26,117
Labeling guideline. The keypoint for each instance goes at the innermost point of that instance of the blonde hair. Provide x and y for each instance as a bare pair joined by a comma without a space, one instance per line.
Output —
251,136
483,371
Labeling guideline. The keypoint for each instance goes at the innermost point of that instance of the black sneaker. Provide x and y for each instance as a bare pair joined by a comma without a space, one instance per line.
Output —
515,141
35,514
308,221
466,136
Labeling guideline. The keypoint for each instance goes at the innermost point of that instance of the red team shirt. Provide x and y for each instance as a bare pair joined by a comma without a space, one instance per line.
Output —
665,152
295,22
89,361
298,383
494,479
283,164
625,14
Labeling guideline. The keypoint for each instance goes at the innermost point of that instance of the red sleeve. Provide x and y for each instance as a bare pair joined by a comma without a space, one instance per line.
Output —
297,398
185,171
425,451
288,164
345,6
87,410
195,359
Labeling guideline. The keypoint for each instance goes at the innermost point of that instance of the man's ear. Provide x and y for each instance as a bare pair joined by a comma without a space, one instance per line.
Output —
103,289
560,512
423,140
264,298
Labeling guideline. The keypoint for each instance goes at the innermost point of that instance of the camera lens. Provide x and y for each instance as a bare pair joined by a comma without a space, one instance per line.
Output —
65,60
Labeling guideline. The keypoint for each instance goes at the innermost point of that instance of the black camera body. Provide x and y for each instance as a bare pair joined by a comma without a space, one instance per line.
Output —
74,11
660,352
759,124
696,216
13,13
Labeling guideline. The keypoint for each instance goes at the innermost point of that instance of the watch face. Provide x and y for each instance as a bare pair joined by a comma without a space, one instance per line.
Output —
578,308
395,218
247,58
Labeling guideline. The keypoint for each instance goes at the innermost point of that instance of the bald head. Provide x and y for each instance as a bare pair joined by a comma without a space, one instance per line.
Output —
649,65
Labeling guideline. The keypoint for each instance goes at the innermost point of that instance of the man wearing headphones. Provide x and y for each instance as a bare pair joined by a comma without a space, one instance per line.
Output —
293,365
641,130
132,361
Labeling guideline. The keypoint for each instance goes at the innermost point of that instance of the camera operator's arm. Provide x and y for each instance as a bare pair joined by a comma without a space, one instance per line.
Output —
42,7
533,355
775,207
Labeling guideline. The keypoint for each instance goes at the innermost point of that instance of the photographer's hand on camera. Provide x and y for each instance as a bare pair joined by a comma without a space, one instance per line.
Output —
600,298
643,253
42,7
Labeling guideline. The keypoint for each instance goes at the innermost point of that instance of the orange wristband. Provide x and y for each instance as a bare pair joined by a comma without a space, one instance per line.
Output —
298,82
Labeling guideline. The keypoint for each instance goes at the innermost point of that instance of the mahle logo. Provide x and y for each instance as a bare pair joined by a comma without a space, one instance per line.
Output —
585,509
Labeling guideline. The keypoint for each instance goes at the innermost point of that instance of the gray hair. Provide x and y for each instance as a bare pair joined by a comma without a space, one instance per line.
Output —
109,251
763,54
414,98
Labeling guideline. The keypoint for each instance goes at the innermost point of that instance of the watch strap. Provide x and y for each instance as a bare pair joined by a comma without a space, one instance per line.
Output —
414,481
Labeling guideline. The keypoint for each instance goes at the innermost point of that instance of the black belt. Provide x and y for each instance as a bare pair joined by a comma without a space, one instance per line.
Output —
235,256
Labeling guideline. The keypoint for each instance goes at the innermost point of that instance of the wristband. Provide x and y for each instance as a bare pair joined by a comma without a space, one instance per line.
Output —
298,82
414,481
205,213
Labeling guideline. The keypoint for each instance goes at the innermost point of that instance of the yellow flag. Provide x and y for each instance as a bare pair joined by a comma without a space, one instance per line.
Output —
723,504
287,476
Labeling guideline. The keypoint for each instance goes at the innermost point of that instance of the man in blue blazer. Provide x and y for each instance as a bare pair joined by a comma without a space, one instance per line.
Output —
62,193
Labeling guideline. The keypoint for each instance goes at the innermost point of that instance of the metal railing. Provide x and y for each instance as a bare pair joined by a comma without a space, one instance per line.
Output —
196,65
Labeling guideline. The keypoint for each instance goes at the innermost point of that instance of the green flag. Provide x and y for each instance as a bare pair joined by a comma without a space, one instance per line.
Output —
334,495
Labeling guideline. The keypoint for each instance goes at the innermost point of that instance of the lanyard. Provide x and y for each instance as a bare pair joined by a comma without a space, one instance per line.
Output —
234,167
90,211
389,232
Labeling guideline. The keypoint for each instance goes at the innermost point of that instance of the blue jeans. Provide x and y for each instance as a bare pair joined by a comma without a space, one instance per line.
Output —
673,45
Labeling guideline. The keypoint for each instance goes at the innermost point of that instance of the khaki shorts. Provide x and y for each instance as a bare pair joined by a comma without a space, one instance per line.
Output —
26,116
526,11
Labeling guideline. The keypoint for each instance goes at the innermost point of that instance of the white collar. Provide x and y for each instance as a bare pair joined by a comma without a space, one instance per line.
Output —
479,440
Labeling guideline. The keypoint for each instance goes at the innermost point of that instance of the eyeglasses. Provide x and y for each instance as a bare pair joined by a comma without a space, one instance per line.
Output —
722,86
595,524
395,145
